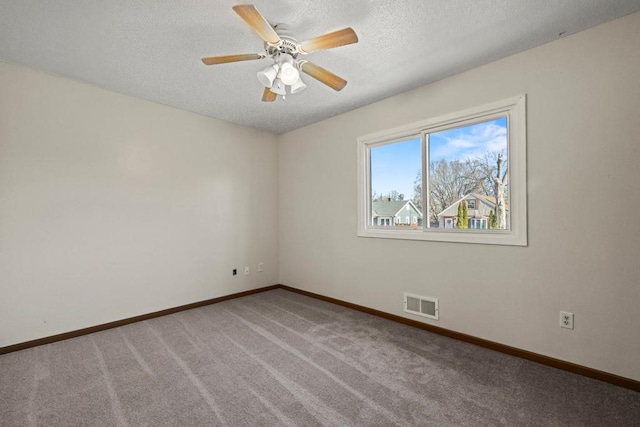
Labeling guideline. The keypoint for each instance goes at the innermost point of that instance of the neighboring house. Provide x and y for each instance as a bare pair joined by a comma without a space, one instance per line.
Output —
479,207
395,212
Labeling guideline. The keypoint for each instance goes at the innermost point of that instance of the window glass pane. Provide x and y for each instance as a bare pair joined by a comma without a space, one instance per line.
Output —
468,177
395,183
473,170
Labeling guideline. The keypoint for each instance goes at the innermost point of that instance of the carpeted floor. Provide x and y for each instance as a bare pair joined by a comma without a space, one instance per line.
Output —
282,359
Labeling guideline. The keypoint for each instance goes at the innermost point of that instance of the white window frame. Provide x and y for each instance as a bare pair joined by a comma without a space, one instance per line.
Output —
515,110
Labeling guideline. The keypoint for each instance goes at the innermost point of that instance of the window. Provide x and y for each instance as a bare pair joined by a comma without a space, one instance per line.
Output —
464,172
478,223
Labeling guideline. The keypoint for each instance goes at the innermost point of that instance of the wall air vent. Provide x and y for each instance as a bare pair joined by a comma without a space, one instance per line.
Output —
421,306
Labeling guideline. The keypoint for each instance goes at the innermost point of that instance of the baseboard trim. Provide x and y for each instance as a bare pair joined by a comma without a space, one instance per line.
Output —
502,348
513,351
118,323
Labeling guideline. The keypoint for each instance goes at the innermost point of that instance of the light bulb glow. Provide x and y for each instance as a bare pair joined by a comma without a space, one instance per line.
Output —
289,74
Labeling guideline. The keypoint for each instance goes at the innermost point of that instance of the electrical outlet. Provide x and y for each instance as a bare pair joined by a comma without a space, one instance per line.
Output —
246,271
566,320
261,267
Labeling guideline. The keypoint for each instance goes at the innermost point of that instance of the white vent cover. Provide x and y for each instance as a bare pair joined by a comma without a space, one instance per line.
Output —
422,306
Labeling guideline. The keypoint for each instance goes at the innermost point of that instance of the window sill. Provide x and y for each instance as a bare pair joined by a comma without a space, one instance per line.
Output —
488,237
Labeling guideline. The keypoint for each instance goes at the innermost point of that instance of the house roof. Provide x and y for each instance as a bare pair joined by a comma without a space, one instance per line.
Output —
390,208
489,201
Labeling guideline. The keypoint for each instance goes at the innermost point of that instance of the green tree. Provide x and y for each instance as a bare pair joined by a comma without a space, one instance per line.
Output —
493,220
463,215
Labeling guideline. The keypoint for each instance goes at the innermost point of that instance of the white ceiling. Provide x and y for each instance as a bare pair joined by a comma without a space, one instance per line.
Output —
152,48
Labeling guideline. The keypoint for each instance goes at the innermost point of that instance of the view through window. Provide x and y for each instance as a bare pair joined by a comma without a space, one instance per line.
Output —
468,179
451,176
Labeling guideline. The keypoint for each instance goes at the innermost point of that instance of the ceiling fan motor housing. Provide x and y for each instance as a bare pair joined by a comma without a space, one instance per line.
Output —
287,44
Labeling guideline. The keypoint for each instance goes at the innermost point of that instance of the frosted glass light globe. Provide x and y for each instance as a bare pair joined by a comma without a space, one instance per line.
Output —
289,74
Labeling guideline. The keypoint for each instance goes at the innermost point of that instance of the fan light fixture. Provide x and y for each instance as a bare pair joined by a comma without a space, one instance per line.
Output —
268,75
278,87
283,49
284,72
289,74
298,86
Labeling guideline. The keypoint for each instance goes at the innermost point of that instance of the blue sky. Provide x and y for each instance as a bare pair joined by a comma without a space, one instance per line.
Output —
469,142
394,166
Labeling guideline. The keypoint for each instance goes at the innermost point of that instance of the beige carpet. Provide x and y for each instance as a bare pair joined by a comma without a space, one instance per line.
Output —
282,359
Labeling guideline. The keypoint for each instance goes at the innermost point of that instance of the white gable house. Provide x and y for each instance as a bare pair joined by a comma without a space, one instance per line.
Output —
479,208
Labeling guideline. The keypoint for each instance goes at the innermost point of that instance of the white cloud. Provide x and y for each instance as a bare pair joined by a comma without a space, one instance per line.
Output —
497,144
461,143
469,142
492,130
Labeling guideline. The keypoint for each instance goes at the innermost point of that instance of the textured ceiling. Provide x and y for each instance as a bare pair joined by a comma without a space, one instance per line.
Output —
152,48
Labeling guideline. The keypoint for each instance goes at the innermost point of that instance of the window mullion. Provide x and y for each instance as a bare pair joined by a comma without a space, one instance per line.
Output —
426,219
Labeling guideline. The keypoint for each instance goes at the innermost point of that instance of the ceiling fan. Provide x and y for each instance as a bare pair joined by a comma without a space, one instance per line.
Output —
285,51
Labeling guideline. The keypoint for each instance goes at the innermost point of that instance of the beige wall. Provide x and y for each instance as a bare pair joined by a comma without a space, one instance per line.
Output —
111,206
583,100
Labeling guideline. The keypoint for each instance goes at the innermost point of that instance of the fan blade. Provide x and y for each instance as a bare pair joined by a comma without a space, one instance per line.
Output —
327,41
251,16
211,60
269,96
324,76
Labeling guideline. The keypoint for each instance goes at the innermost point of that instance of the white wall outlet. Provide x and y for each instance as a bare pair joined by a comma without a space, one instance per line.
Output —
246,271
261,267
566,320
